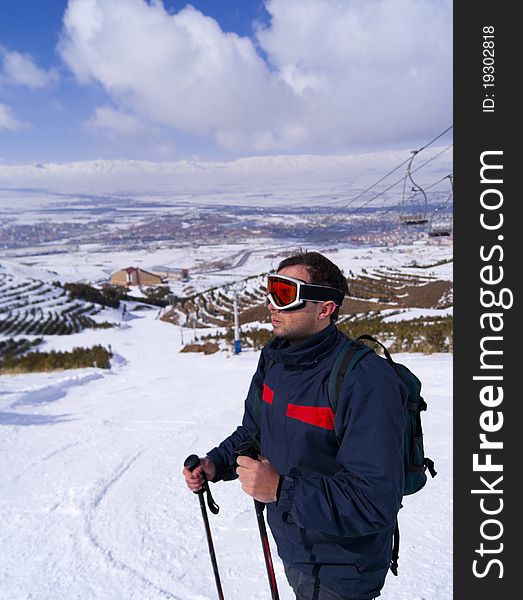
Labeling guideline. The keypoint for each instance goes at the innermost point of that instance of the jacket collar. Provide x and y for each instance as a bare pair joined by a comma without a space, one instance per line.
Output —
305,354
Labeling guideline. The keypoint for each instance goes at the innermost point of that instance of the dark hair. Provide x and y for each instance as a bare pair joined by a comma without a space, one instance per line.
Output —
322,271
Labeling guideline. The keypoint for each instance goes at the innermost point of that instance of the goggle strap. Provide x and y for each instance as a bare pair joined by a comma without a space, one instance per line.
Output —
320,293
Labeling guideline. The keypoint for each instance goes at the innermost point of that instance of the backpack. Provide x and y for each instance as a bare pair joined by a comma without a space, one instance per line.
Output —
415,461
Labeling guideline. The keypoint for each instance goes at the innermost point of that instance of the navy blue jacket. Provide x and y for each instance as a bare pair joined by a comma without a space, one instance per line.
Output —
337,508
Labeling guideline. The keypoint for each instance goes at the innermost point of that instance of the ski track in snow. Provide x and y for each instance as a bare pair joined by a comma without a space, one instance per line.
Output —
39,462
109,554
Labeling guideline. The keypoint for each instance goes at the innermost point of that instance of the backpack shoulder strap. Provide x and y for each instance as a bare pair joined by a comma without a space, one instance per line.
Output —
350,354
385,351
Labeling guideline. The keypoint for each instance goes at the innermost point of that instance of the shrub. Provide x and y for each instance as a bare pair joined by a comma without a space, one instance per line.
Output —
108,296
157,295
207,348
78,358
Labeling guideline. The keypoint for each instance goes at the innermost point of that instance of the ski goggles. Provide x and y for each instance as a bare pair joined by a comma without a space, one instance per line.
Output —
288,293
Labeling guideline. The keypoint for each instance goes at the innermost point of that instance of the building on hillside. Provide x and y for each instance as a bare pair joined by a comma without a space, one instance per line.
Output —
135,276
172,273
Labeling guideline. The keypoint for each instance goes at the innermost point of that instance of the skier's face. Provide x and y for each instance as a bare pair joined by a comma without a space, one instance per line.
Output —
298,325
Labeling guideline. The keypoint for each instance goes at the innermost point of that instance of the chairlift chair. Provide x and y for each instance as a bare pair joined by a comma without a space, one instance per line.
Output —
441,223
413,208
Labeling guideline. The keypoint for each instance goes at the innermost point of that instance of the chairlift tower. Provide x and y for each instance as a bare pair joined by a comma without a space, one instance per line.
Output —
413,210
171,299
237,343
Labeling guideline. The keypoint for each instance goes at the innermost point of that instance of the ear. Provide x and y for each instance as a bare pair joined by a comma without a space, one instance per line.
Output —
327,308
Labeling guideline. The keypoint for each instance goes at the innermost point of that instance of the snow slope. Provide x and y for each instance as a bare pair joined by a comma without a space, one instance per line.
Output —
93,503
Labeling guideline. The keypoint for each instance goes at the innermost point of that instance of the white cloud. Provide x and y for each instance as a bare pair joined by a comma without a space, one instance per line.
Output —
8,120
108,119
120,128
19,69
368,70
339,72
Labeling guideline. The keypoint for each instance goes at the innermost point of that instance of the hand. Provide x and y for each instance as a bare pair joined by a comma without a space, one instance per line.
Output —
194,479
259,479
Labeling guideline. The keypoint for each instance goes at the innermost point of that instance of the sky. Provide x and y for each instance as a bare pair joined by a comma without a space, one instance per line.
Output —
165,80
93,501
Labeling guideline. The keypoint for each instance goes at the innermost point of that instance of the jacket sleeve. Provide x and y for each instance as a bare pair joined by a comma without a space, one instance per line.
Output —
364,495
223,455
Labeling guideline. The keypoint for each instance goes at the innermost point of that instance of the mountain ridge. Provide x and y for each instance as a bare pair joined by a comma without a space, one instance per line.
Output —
250,164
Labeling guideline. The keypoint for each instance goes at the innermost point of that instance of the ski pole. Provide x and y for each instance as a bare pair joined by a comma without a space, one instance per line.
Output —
191,462
248,449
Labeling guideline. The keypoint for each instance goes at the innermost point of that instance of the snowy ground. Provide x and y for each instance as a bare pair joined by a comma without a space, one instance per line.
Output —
93,503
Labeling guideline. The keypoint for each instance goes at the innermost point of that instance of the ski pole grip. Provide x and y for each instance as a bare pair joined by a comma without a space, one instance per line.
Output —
191,462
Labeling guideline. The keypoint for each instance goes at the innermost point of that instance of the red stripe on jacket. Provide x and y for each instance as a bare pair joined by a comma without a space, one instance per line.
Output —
267,394
314,415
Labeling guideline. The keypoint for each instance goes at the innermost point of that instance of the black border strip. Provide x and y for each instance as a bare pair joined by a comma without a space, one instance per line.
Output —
486,121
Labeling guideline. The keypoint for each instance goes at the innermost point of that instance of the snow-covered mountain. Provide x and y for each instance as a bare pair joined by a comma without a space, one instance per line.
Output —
250,165
269,179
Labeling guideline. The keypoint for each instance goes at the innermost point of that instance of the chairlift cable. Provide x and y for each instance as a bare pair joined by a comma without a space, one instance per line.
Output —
399,167
436,138
335,214
342,208
352,200
395,206
439,181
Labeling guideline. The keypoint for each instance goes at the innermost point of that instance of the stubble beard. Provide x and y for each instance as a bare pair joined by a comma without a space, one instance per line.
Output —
292,335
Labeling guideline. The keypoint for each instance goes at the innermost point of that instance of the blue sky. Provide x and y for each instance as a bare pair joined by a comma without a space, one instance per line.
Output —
137,79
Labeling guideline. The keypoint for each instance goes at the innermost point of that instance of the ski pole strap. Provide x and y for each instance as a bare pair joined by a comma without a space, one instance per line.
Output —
395,550
430,467
213,507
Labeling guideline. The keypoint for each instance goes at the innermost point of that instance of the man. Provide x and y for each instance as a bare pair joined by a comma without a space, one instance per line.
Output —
332,483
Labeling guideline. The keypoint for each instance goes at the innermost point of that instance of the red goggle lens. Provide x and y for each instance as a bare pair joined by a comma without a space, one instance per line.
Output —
283,292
